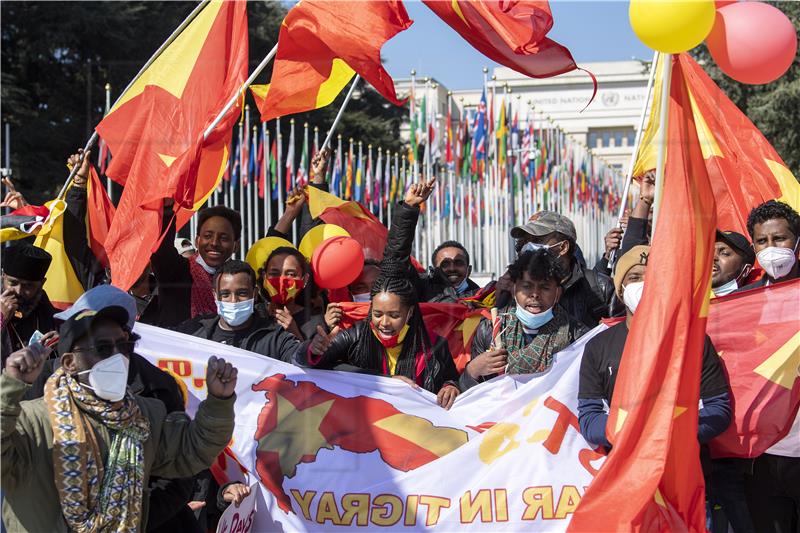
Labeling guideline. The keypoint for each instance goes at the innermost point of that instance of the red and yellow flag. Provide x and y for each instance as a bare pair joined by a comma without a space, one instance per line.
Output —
512,33
652,478
757,335
353,217
320,47
155,132
744,168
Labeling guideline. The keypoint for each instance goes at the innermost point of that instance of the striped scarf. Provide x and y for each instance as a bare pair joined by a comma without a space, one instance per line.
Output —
96,495
536,356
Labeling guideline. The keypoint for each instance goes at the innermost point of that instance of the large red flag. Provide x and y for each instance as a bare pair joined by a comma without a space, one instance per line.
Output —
652,479
321,43
512,33
155,132
757,335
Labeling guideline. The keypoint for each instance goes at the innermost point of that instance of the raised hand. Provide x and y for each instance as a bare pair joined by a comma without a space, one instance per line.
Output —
322,340
319,165
487,363
333,315
613,240
419,192
84,160
26,364
14,199
220,378
9,303
447,395
285,319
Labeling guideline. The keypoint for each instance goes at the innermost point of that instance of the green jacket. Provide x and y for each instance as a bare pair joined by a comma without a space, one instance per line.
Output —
177,447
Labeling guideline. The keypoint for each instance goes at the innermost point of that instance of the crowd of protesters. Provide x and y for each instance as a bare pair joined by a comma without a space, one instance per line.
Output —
94,437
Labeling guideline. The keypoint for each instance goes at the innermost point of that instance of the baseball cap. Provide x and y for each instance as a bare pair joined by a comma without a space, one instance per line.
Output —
184,245
544,223
739,243
81,322
637,255
99,298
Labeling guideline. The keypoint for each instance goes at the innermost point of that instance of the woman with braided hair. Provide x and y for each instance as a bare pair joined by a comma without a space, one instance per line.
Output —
392,340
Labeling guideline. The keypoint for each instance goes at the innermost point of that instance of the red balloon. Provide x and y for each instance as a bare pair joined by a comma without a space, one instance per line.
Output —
337,262
752,42
723,3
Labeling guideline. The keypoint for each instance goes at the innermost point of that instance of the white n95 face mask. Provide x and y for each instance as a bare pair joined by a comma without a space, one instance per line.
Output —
633,295
777,261
109,378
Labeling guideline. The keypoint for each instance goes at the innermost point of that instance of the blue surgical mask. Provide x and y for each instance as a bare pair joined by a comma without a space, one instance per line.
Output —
462,287
361,297
727,288
533,320
235,313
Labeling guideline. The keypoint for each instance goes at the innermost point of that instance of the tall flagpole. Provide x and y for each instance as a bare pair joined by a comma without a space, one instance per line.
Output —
252,189
267,180
278,167
107,109
189,18
639,134
662,137
240,208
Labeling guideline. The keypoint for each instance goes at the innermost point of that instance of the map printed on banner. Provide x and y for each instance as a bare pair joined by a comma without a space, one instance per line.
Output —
340,451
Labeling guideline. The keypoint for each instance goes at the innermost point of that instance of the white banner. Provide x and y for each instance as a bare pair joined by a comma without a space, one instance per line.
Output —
338,451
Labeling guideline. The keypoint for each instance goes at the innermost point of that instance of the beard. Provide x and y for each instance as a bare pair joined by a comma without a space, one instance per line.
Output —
27,306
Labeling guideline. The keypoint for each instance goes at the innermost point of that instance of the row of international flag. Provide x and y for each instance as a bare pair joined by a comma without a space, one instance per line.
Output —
526,151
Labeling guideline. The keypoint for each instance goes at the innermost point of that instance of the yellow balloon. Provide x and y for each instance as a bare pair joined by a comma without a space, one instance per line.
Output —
316,235
258,253
672,26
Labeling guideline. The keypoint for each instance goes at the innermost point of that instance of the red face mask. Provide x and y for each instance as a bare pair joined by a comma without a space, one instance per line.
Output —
389,342
283,289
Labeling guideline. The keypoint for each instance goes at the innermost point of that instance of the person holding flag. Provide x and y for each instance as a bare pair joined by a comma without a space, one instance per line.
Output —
184,285
774,228
733,261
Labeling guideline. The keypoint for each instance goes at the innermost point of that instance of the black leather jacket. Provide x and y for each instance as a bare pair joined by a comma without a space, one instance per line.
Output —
440,368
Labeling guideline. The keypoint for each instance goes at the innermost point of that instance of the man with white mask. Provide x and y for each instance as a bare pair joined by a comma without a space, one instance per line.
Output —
733,260
532,328
79,459
774,228
773,491
237,323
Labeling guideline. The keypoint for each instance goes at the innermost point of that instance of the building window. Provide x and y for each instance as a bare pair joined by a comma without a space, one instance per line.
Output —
611,137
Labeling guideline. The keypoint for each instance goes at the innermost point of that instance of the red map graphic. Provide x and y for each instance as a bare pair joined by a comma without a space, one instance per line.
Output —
299,419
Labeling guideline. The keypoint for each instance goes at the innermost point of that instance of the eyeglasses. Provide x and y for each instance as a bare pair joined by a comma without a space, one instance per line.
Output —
107,349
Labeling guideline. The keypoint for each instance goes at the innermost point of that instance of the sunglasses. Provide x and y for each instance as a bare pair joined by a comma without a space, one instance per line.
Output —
105,350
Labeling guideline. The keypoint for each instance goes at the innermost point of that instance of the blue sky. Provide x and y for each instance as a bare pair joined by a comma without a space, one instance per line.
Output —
593,30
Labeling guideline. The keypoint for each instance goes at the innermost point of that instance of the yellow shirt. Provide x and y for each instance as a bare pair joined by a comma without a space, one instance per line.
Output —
393,353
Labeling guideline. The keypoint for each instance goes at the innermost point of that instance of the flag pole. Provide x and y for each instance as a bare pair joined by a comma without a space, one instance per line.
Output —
267,179
261,66
108,108
341,112
662,137
639,134
189,18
